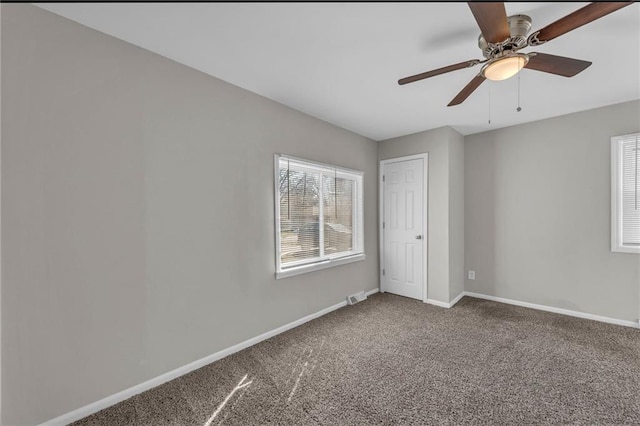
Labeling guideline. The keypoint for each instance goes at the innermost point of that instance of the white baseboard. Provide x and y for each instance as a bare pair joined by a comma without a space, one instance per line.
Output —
94,407
456,300
437,303
370,292
554,310
444,304
149,384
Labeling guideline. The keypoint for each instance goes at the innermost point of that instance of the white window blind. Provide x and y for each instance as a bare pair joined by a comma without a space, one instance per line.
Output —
318,215
626,193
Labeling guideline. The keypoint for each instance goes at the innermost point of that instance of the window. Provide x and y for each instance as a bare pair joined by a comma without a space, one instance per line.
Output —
318,216
625,193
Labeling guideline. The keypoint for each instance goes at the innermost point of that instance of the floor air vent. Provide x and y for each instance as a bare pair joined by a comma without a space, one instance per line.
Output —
355,298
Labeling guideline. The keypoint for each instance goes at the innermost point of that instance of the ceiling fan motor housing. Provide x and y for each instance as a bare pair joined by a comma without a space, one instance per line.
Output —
508,35
519,27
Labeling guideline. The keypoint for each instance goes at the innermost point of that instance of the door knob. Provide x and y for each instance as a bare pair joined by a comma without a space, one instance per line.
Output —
418,237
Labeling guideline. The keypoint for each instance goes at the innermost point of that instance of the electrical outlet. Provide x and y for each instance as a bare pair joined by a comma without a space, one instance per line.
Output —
472,275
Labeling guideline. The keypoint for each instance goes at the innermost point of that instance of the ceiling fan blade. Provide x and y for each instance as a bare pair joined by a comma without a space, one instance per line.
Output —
576,19
492,20
439,71
560,65
468,90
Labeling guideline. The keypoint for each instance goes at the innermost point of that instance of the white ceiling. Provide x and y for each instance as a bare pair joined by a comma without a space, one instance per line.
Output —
340,62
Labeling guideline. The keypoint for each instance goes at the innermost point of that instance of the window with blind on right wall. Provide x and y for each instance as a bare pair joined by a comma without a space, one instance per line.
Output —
625,193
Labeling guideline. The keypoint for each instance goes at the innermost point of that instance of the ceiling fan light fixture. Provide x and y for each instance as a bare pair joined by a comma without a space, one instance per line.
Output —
505,67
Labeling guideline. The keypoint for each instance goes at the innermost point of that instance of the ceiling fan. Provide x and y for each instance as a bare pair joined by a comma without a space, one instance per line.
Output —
502,37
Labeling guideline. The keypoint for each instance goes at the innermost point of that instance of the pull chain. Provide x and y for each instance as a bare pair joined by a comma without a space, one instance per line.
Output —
519,109
489,103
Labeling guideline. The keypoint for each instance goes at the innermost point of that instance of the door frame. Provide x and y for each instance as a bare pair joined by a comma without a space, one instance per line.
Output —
425,216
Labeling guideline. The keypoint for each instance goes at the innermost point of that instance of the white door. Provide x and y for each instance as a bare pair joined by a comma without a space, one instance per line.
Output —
403,230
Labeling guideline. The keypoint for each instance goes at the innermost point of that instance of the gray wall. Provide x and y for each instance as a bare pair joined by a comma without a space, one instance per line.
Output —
537,214
438,143
456,214
137,215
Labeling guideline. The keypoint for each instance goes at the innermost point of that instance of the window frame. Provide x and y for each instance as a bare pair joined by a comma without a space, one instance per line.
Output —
327,261
617,245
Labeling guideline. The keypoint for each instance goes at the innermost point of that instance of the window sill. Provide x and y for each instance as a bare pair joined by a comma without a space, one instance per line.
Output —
318,266
626,249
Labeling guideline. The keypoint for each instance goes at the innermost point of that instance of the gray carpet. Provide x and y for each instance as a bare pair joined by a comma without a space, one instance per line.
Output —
392,360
